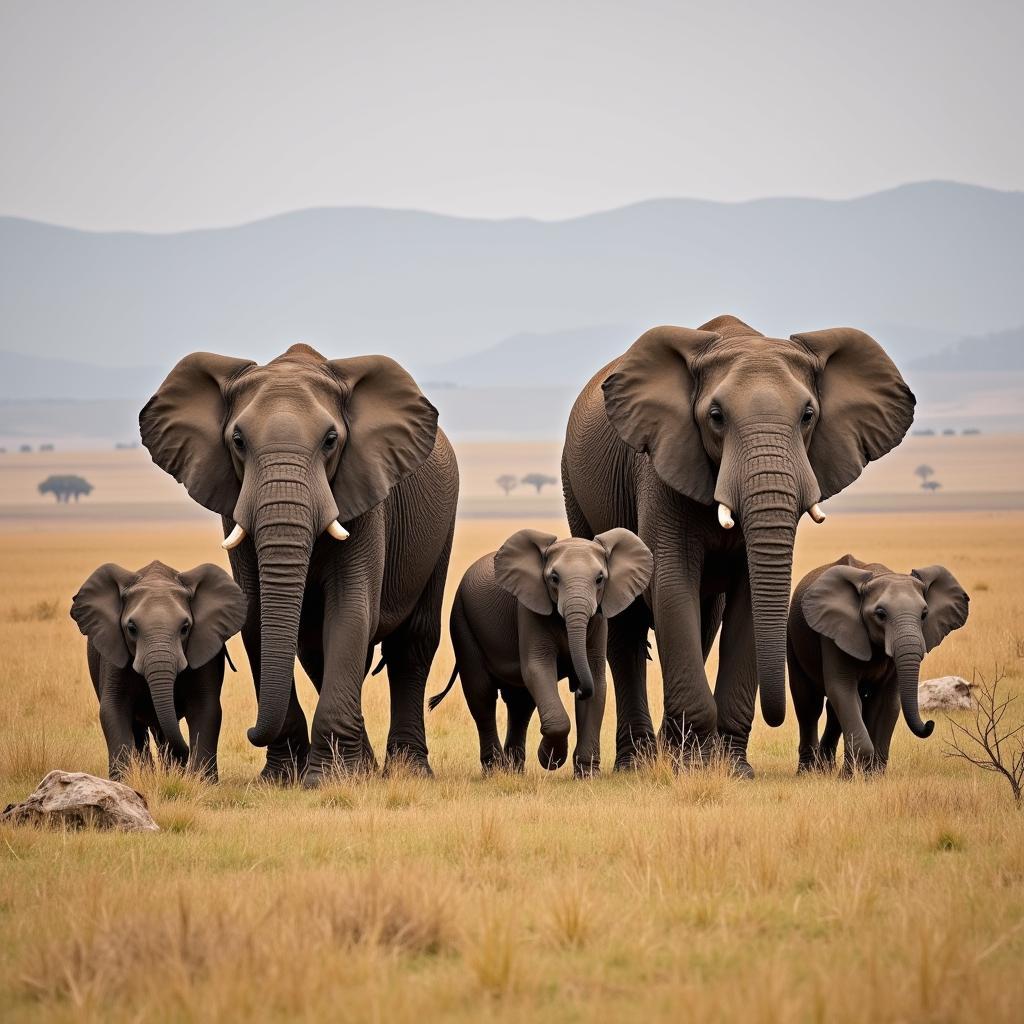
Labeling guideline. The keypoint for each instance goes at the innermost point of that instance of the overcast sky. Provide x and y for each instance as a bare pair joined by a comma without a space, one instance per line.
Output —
168,116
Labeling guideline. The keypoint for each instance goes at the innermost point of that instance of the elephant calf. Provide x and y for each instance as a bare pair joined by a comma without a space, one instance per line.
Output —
857,634
507,637
156,654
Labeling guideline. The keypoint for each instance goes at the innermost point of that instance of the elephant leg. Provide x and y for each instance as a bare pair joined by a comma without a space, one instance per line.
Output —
116,716
288,755
541,676
338,725
520,706
203,715
409,653
140,732
690,726
479,688
586,758
808,701
627,658
736,687
881,712
830,736
859,751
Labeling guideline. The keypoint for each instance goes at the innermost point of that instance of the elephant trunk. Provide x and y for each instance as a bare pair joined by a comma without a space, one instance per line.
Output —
284,529
160,673
770,507
907,652
577,611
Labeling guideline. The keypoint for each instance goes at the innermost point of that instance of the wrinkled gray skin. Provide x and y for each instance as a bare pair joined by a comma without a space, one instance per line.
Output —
284,451
530,614
857,634
681,422
156,655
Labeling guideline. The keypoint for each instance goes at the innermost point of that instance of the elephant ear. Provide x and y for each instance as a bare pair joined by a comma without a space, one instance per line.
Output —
391,426
182,425
218,611
831,607
96,608
866,407
649,401
947,603
630,564
519,569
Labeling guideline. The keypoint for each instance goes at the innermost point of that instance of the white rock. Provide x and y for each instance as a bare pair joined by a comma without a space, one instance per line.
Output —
946,693
78,800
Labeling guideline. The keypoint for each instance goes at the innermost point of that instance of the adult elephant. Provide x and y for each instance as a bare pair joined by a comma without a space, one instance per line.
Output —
287,453
762,428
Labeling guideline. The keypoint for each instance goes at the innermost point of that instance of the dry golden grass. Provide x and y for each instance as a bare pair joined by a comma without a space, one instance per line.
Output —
643,896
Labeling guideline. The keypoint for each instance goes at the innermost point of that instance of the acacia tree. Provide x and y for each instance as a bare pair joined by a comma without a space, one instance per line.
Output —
507,482
924,471
931,485
65,487
539,480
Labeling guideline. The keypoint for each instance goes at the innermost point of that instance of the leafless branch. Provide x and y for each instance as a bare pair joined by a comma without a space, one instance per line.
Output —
985,742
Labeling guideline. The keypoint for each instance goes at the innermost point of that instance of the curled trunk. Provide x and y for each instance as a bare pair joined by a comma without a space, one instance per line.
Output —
160,678
907,652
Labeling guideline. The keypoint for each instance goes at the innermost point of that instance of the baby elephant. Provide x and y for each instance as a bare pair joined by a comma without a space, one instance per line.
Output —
508,637
857,634
156,654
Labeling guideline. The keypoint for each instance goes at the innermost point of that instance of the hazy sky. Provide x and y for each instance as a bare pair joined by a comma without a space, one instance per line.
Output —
174,115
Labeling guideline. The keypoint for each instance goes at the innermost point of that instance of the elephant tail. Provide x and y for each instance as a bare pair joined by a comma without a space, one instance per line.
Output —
438,697
379,668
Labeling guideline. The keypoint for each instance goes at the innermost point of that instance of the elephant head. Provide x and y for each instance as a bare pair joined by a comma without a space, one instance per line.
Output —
578,578
287,451
162,622
766,428
904,615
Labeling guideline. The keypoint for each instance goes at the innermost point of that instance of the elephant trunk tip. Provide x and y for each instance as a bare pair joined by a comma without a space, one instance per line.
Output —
258,736
927,728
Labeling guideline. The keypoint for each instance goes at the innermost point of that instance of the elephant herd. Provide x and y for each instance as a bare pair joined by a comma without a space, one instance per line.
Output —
688,463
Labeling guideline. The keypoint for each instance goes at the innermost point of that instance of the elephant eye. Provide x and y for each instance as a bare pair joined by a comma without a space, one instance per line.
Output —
184,628
600,578
716,415
808,415
131,627
924,615
880,614
330,440
554,578
238,441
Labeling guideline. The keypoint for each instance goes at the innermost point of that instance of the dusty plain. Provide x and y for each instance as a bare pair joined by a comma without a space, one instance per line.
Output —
643,896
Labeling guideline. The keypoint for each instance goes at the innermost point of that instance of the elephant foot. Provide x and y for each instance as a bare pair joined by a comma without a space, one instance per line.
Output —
282,773
514,760
586,769
403,760
695,752
635,750
553,752
734,750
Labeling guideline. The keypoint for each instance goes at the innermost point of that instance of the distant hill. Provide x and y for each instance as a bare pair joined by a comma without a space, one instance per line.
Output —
553,359
924,261
33,377
999,352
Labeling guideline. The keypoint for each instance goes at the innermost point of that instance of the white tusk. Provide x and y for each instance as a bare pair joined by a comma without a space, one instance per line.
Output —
816,514
233,539
337,531
725,517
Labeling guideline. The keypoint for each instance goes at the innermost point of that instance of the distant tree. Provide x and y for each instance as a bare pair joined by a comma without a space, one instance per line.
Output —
46,447
25,448
539,480
949,432
507,482
924,433
924,471
970,431
931,485
65,487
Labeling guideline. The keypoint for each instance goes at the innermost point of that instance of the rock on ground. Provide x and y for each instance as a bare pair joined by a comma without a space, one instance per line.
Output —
78,800
946,693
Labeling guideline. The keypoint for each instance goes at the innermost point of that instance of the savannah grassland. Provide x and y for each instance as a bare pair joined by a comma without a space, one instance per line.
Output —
652,895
